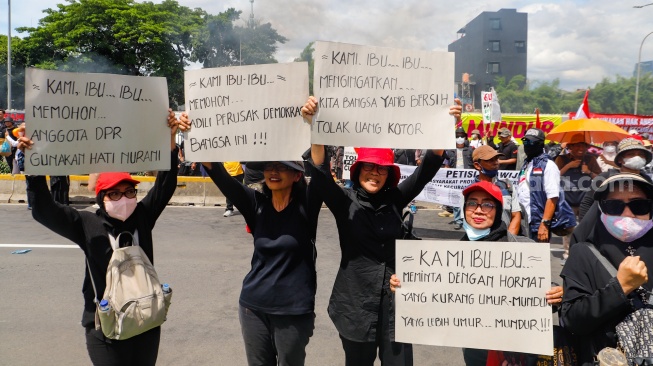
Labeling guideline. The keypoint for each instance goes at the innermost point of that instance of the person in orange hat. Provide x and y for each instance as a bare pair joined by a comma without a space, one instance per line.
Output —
369,222
119,212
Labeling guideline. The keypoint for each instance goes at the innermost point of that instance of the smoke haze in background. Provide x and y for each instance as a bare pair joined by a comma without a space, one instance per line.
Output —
578,41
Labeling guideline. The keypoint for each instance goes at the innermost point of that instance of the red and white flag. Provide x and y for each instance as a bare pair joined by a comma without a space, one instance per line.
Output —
584,109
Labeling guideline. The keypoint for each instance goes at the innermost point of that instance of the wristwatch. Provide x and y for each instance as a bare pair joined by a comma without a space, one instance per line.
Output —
546,223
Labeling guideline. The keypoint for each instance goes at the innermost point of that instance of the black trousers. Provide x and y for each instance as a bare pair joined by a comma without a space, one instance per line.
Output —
141,350
390,353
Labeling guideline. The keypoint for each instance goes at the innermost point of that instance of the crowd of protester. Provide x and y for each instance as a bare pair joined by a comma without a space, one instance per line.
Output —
594,197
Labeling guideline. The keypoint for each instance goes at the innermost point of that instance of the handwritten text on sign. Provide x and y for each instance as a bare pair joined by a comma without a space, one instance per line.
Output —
89,123
247,113
486,295
383,97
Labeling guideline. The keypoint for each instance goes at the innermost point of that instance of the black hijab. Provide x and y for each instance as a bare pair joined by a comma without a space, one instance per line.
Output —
616,251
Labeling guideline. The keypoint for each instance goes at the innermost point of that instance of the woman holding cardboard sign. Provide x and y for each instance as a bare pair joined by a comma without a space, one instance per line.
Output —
483,204
98,235
368,220
277,300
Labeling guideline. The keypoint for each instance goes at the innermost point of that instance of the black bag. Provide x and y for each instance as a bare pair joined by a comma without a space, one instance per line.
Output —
407,232
635,331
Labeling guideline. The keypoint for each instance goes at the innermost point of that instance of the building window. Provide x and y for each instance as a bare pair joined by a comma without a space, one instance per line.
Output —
520,46
493,68
495,46
495,23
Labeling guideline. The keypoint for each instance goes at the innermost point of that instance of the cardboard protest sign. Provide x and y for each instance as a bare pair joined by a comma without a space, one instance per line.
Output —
247,113
485,295
383,97
90,123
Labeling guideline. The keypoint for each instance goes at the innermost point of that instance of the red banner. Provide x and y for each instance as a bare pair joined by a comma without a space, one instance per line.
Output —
642,124
18,116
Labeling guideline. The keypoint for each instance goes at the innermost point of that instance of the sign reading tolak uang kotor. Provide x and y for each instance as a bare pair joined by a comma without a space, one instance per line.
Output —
382,97
247,113
89,123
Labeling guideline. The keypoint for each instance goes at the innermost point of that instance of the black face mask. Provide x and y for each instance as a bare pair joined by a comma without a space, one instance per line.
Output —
533,150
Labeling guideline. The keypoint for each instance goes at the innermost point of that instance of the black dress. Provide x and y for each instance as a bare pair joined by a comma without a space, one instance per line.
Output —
594,301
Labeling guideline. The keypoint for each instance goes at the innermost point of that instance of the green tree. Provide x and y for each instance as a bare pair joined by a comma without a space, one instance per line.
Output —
116,36
307,56
17,73
258,43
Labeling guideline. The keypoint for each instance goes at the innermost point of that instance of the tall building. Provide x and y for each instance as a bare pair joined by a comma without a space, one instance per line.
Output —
646,67
492,44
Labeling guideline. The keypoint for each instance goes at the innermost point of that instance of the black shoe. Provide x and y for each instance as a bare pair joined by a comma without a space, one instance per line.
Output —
457,226
452,222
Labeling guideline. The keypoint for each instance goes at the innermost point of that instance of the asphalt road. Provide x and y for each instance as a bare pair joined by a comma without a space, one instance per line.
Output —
203,256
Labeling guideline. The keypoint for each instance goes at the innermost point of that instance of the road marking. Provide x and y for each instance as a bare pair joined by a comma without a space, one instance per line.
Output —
51,246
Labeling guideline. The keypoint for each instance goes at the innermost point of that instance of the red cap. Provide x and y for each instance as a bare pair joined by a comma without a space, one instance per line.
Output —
383,157
109,180
486,187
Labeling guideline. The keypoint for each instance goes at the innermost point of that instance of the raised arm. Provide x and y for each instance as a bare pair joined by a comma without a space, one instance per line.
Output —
165,184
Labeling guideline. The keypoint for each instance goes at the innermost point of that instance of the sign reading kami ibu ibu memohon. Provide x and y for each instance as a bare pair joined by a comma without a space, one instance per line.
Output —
89,123
383,97
485,295
247,113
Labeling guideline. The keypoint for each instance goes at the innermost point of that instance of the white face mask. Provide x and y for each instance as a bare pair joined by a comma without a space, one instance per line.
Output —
610,149
121,209
635,163
460,140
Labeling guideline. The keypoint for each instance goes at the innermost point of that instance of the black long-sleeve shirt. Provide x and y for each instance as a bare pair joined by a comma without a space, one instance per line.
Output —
593,303
282,280
90,230
367,230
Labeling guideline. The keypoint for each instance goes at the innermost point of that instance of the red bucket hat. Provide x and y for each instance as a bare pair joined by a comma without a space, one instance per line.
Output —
486,187
383,157
109,180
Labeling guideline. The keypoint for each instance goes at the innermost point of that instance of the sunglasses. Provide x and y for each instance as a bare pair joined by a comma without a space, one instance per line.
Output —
382,170
117,195
485,206
276,166
616,207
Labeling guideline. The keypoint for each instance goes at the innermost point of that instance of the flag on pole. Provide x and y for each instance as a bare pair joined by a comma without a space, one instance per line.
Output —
584,109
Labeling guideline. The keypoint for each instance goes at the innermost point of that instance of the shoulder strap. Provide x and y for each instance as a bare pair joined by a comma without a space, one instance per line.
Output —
409,227
88,266
604,261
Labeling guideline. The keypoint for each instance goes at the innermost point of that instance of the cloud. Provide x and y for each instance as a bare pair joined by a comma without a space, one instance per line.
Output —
579,42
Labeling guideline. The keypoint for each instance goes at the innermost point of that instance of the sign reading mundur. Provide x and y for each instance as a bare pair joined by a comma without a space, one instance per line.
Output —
484,295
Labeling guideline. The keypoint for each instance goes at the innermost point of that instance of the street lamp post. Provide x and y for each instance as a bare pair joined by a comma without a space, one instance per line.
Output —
9,59
639,66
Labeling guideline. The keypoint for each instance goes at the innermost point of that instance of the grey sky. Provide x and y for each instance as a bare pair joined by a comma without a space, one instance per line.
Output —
578,41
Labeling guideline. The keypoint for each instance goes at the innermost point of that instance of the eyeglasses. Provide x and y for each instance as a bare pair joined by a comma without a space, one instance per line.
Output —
117,195
616,207
381,169
485,206
276,166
